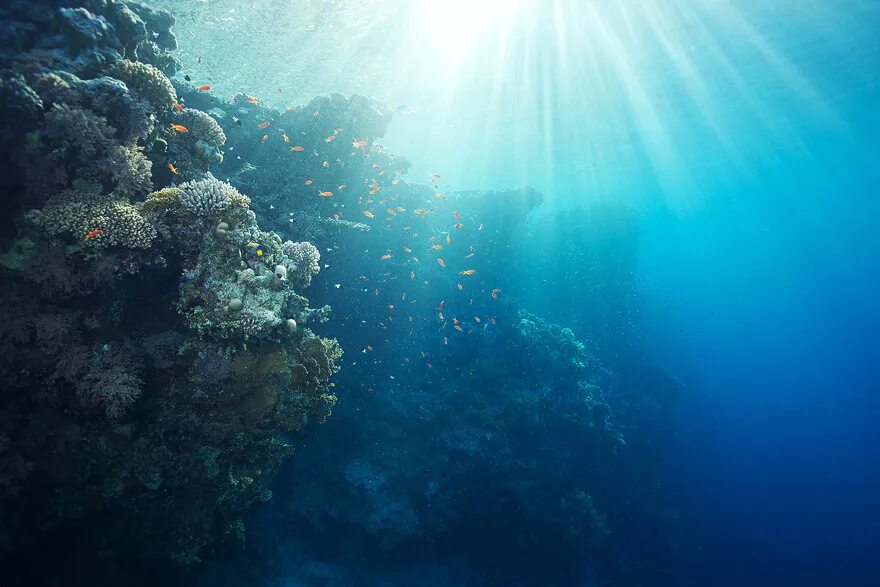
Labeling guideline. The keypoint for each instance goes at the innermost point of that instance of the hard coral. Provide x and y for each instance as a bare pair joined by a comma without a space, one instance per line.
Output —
146,81
207,197
78,213
304,261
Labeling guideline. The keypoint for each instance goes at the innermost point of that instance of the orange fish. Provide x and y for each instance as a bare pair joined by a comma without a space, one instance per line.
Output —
492,320
264,124
285,137
297,148
359,144
448,240
437,247
390,211
407,250
252,100
495,293
457,327
178,107
172,168
204,88
441,262
179,128
92,234
308,182
368,214
325,164
385,257
440,196
420,212
457,215
325,194
468,272
330,139
477,319
264,138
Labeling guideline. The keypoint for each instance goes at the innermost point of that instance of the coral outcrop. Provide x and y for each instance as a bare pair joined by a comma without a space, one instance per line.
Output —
155,338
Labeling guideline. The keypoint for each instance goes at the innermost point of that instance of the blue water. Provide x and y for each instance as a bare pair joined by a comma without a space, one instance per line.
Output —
745,137
703,213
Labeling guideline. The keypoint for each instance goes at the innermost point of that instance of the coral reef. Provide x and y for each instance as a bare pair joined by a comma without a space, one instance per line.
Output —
131,373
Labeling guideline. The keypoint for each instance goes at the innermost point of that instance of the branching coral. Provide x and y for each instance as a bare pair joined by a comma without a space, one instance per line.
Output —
304,261
207,197
79,213
112,380
146,81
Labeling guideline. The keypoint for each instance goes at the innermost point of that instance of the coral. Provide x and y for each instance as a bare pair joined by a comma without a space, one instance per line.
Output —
304,261
146,81
78,213
161,200
202,126
341,225
207,197
131,171
112,381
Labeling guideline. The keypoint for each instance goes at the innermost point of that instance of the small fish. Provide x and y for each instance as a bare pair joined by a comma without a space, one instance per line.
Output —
179,128
437,247
368,214
480,227
441,262
448,240
407,250
308,182
172,168
264,138
459,286
385,257
93,233
297,148
341,187
291,109
412,275
325,164
251,100
457,215
203,88
264,124
325,194
178,107
457,327
477,320
316,114
199,59
236,120
440,196
459,226
495,293
330,139
285,137
359,144
280,91
390,211
468,272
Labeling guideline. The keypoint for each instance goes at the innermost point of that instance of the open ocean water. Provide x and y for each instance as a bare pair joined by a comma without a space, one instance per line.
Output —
485,293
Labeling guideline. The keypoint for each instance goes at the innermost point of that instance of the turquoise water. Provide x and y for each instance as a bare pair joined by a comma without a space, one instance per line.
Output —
661,370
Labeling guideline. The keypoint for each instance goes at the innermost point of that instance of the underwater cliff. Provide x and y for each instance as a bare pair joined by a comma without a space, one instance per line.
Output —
160,357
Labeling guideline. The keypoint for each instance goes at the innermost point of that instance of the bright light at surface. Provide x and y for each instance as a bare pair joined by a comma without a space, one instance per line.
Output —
584,99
